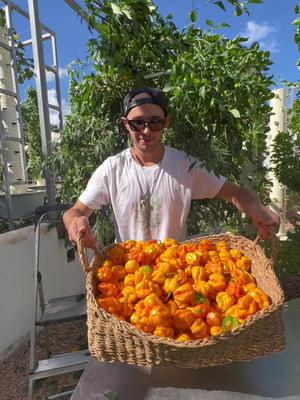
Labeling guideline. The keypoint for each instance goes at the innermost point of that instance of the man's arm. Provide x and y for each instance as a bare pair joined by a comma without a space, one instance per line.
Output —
266,221
76,222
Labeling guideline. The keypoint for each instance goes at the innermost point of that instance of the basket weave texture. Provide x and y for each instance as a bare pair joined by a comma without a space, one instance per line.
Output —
111,339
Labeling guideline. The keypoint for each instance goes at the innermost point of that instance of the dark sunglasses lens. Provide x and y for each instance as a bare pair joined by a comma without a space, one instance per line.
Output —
156,125
139,125
136,125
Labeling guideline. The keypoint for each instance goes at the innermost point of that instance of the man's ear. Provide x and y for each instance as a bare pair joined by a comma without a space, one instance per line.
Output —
124,123
168,121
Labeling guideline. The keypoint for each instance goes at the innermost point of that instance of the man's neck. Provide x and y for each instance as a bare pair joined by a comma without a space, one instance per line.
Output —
147,159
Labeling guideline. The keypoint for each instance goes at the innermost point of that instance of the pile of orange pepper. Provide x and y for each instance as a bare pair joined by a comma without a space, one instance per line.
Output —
179,291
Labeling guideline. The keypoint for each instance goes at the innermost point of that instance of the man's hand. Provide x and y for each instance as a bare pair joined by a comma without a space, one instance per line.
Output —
266,221
77,223
80,226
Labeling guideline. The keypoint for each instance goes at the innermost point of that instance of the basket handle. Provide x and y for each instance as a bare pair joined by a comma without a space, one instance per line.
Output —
86,265
274,251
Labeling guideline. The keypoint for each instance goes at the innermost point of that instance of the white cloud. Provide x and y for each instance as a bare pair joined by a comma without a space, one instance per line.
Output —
52,99
264,33
63,73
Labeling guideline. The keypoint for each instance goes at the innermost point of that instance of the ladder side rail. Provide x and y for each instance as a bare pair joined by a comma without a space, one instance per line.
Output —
6,185
16,90
57,83
32,355
44,117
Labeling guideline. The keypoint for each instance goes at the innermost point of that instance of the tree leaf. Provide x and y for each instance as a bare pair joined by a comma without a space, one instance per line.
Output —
220,4
235,113
296,21
116,9
193,16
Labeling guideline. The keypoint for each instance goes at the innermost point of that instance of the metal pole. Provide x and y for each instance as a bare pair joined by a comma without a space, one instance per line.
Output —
58,94
39,69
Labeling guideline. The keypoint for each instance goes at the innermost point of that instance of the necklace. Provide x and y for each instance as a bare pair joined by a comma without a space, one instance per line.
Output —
147,204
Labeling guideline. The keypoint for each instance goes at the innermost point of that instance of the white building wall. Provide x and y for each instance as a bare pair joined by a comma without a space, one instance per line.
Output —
60,278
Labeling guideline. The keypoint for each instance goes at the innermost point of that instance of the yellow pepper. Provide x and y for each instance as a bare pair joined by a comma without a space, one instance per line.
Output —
224,301
215,330
119,272
117,255
169,242
171,284
206,289
235,254
129,280
199,273
260,297
199,329
131,266
243,263
158,276
144,288
192,259
104,274
107,289
129,293
165,267
126,308
236,312
152,300
110,304
248,303
183,337
218,281
164,331
160,315
183,319
184,294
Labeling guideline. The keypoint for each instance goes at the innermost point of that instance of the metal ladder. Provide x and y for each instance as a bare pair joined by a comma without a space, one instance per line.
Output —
54,311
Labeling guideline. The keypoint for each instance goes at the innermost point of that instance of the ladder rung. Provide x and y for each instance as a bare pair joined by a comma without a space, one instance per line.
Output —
51,69
8,93
5,46
63,309
13,139
62,394
61,364
54,107
18,182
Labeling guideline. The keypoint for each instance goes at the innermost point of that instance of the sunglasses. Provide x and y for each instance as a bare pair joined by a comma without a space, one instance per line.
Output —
139,125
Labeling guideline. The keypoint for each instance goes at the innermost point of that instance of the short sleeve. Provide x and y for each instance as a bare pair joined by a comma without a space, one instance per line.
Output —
205,184
96,194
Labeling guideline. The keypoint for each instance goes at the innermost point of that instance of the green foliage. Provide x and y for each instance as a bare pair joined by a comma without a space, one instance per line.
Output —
286,151
24,66
288,255
31,128
218,90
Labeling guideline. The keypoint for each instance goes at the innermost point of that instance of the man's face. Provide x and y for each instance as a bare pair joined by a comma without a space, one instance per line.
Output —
146,139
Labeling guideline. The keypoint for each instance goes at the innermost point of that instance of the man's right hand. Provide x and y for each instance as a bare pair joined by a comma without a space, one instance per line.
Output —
77,223
80,226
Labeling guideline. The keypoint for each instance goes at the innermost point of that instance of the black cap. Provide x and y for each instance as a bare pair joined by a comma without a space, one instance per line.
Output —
157,96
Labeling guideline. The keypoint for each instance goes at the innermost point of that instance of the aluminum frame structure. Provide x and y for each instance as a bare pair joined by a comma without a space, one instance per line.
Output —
39,33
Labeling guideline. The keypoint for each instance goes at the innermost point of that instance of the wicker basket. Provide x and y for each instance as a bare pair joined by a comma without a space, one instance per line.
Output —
111,339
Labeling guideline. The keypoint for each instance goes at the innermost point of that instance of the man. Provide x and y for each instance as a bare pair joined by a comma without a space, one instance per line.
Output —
151,186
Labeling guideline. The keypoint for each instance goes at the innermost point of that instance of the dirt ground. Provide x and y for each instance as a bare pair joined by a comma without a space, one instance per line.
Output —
66,337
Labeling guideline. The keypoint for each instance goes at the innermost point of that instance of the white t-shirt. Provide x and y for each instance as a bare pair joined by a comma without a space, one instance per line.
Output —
150,202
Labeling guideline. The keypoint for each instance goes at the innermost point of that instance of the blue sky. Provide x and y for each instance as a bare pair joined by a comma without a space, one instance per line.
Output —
269,23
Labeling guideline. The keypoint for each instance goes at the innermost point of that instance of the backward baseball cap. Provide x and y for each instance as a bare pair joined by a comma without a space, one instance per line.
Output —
157,96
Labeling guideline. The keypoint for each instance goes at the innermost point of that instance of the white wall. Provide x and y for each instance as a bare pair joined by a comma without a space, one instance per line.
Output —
60,278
